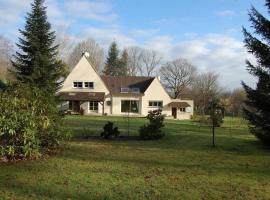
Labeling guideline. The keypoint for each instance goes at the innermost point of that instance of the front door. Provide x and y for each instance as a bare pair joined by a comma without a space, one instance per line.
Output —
76,106
174,113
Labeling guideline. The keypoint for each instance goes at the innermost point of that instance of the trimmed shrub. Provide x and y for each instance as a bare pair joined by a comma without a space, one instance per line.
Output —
216,113
109,131
153,129
30,122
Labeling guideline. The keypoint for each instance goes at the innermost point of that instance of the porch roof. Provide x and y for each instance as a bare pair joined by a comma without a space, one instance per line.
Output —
82,96
179,104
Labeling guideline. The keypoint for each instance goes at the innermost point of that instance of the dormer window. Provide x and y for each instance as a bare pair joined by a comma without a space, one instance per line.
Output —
77,84
89,85
124,89
135,90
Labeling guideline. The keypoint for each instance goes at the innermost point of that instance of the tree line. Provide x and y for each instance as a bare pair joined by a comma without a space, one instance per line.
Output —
180,78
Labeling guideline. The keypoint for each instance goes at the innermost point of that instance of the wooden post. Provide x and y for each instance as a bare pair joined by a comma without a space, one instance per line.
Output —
213,124
103,107
213,131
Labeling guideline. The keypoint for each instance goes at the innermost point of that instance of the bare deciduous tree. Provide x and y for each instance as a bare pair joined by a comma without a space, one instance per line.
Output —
66,44
238,98
205,88
96,54
177,75
149,61
6,50
134,60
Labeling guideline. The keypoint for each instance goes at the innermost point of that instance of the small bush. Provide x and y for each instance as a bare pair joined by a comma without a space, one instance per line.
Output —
30,123
2,85
153,129
204,119
109,131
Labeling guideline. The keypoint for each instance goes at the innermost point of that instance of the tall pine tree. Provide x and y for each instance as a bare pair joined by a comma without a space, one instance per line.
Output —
257,108
112,61
123,64
36,62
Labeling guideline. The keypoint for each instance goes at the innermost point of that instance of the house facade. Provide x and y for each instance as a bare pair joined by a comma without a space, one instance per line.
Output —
87,92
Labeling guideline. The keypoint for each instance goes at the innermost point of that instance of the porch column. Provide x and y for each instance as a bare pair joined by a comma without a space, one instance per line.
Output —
103,108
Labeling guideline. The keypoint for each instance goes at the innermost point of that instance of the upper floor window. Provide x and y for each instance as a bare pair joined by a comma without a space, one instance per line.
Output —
135,90
77,84
124,89
89,85
155,103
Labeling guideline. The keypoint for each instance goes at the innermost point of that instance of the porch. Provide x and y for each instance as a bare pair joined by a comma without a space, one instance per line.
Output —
82,102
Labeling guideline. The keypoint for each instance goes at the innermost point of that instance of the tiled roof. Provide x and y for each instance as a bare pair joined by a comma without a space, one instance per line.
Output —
115,83
82,96
179,104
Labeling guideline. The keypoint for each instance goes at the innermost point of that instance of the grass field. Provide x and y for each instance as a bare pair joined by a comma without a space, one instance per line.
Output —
183,165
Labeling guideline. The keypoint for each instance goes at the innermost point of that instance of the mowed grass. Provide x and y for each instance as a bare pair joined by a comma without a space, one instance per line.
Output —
183,165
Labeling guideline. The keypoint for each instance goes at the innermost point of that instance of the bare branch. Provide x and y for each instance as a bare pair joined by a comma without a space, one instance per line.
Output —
134,60
149,61
177,75
96,53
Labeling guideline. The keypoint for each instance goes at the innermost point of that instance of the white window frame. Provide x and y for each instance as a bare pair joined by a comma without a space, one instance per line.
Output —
135,90
124,90
93,106
88,82
130,106
77,83
157,104
183,110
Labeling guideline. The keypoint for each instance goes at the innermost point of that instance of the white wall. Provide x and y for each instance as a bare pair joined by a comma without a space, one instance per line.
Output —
84,72
107,109
189,110
156,92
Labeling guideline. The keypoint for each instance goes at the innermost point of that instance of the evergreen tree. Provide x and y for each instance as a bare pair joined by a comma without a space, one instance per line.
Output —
112,61
123,64
257,109
36,62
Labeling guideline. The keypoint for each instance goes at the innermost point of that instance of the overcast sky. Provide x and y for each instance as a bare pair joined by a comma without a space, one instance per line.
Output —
205,32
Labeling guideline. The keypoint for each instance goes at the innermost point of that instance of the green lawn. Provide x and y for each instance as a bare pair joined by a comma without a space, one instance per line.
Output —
183,165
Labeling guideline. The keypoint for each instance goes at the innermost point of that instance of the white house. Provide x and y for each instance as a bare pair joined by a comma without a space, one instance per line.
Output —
84,89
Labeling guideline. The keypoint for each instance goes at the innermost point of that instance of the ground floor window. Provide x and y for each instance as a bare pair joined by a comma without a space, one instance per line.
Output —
93,106
74,106
182,109
130,106
156,104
